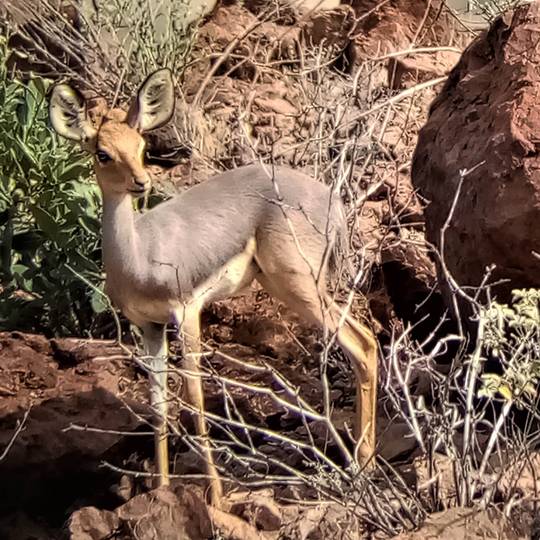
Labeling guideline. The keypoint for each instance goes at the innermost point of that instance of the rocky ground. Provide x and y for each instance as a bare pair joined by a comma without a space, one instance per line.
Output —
69,406
73,426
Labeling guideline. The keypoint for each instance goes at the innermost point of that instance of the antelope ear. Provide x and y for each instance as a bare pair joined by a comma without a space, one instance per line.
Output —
67,111
154,104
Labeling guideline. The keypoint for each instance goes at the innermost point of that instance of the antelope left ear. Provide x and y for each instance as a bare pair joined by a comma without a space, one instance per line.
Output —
153,105
67,111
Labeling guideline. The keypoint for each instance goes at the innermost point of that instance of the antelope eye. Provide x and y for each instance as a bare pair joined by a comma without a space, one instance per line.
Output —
102,156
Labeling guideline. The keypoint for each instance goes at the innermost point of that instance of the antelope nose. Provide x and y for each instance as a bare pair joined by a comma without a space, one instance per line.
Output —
142,183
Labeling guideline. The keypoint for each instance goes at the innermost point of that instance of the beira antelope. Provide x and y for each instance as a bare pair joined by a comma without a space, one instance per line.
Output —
274,225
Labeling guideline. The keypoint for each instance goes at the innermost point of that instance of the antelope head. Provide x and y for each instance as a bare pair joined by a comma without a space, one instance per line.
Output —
116,141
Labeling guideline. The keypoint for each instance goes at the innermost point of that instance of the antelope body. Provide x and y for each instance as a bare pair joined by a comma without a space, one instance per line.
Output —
176,248
277,226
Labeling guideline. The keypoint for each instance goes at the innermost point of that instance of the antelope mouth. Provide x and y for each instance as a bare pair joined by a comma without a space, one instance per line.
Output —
141,191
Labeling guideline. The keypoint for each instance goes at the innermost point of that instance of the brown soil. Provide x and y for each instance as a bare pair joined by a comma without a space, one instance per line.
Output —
50,385
56,384
53,386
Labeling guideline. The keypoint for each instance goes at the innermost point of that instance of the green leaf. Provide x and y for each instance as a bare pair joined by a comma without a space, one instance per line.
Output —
26,150
45,222
530,390
41,86
27,241
99,302
4,216
22,113
74,171
83,263
485,392
506,392
22,277
90,224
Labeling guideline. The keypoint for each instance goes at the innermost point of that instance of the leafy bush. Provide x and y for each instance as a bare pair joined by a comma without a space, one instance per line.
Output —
479,426
49,225
512,335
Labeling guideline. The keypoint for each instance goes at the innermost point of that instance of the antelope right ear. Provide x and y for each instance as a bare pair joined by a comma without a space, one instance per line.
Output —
153,105
67,111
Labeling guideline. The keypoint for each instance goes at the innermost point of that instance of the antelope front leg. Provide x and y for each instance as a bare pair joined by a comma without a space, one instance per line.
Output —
189,323
155,343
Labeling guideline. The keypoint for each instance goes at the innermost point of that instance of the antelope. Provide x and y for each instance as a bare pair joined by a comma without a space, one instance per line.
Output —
279,227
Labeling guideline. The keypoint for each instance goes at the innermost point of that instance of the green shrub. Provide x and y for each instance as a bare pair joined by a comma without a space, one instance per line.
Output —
512,335
49,225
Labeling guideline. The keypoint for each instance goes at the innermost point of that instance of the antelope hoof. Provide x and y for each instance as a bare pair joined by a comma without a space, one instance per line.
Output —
216,494
365,457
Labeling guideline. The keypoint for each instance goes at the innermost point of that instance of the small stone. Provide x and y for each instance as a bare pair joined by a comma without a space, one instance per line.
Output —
406,71
90,523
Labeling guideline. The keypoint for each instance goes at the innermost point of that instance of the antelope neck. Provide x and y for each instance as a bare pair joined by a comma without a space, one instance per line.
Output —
119,236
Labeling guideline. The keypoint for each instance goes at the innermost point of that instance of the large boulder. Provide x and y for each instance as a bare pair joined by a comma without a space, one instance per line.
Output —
486,119
393,25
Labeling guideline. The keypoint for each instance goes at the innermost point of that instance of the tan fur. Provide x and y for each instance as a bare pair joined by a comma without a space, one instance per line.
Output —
126,148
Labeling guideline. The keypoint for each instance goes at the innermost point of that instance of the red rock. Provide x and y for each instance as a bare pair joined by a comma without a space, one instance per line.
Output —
261,510
331,28
61,383
406,71
91,523
163,514
487,112
385,27
159,514
467,523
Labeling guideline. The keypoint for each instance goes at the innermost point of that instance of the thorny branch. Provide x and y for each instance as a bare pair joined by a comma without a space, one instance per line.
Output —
20,427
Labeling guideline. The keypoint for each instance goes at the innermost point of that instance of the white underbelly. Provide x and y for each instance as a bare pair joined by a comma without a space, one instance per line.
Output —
143,307
146,310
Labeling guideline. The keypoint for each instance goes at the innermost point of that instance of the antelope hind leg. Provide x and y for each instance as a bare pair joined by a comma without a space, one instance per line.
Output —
360,345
